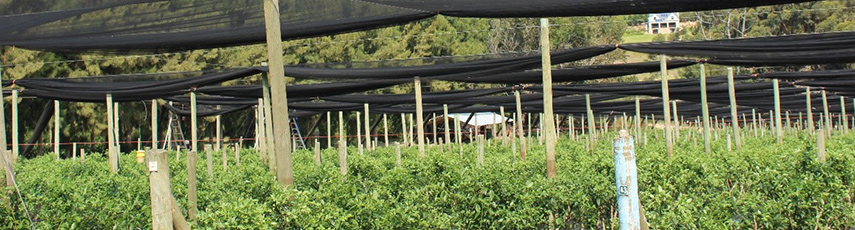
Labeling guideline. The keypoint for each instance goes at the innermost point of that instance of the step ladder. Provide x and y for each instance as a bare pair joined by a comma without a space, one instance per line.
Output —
299,141
174,133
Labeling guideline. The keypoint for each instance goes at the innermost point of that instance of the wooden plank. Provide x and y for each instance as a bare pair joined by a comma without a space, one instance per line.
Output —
192,207
15,135
160,189
111,146
56,126
734,118
194,125
666,99
705,110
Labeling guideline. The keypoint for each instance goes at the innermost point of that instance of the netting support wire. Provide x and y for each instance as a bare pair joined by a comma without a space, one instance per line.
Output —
278,95
666,100
549,121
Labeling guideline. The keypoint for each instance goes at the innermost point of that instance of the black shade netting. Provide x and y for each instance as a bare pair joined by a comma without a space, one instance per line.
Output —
122,25
429,97
575,74
823,48
126,87
304,90
823,74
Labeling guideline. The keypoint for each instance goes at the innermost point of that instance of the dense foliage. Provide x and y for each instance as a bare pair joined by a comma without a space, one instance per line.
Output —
763,185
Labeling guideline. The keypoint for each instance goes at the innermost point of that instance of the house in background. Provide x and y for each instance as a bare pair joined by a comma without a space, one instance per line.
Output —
663,23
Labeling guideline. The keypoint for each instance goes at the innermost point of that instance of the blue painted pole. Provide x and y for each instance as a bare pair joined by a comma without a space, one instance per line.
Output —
626,180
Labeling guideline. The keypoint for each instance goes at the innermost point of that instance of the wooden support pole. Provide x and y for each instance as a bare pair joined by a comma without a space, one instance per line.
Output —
161,190
809,108
404,137
459,133
56,125
260,139
779,132
154,138
191,186
15,144
445,124
820,145
480,158
417,84
194,119
329,129
663,65
549,120
6,157
111,137
591,126
827,115
504,132
359,133
754,121
219,134
676,122
367,125
397,154
225,158
342,145
278,96
116,129
209,160
74,151
520,133
734,118
637,118
385,130
317,150
843,122
705,109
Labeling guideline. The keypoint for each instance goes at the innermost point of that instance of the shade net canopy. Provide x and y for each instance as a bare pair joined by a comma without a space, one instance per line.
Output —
804,49
159,25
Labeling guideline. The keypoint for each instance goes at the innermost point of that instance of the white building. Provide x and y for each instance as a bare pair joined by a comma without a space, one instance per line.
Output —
663,23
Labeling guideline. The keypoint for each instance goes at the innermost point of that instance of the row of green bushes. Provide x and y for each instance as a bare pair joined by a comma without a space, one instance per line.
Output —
762,185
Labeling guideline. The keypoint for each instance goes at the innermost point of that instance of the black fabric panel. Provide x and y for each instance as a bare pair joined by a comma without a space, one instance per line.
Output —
575,74
821,48
304,91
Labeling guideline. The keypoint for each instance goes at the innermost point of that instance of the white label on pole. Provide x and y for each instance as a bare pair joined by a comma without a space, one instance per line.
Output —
152,166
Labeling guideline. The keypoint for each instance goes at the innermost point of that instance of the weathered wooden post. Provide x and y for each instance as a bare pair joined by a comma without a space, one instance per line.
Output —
397,154
161,190
191,186
154,138
779,132
520,134
111,137
827,115
420,129
329,129
843,122
194,134
342,145
445,124
663,70
367,125
55,129
385,130
734,118
705,110
278,96
359,134
15,145
820,145
317,152
549,120
480,150
626,180
591,126
74,151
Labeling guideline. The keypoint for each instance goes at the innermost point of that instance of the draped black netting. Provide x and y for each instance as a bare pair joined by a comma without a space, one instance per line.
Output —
575,74
429,97
159,25
450,71
821,48
809,74
126,87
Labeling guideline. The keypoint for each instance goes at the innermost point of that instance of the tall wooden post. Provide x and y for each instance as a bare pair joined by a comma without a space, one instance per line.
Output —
385,130
194,133
342,145
329,129
820,145
116,129
219,133
754,121
359,133
279,98
637,117
843,122
15,135
209,161
417,83
161,190
520,133
549,119
191,186
459,133
154,138
705,109
592,129
504,126
6,158
55,129
827,115
367,125
734,118
779,132
445,124
676,122
666,111
111,137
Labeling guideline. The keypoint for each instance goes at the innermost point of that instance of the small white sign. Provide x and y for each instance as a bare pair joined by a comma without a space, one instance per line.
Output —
152,166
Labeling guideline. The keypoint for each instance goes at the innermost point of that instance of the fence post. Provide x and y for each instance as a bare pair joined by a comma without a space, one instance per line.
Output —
629,210
820,145
161,193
